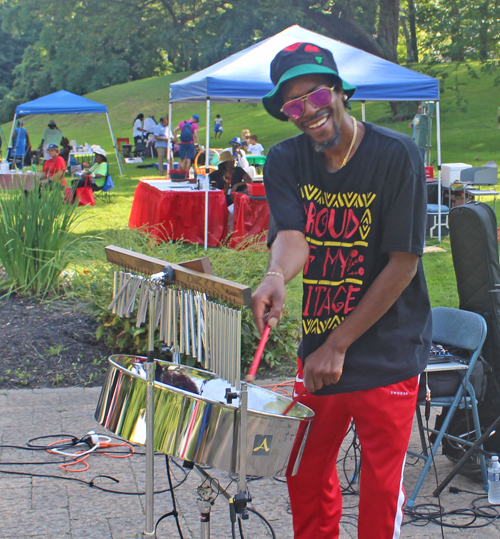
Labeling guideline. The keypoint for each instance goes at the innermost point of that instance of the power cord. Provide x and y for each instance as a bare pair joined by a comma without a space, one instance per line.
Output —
174,511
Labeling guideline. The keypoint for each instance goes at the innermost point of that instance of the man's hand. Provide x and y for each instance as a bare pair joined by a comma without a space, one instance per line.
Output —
287,257
323,367
268,302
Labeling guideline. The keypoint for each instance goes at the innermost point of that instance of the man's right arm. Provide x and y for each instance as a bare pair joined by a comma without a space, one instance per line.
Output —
288,256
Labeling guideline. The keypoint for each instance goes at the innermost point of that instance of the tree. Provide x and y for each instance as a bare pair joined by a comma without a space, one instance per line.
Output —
365,24
460,30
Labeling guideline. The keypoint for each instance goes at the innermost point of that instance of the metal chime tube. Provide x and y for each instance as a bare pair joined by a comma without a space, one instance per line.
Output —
150,366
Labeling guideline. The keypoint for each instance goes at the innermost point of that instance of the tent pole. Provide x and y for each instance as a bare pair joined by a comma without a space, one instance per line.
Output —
438,131
169,143
207,180
12,131
114,146
363,111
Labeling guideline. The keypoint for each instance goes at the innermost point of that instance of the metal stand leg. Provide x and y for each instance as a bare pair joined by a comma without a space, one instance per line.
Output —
473,449
205,507
150,533
240,500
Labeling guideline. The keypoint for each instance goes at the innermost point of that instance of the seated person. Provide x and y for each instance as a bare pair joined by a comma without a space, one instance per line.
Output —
229,178
97,173
53,168
254,147
65,149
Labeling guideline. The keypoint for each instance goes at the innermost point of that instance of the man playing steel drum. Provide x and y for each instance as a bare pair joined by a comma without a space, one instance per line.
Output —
348,207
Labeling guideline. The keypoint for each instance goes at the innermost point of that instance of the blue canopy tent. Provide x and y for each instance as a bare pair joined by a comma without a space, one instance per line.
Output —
245,77
64,102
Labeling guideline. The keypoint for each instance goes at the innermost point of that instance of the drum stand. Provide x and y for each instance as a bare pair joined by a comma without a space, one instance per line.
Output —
195,275
238,503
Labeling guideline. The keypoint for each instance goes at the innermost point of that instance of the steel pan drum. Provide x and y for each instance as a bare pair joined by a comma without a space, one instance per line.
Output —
201,428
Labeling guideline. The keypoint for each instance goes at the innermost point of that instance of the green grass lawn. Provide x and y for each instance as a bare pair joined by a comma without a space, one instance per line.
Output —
470,137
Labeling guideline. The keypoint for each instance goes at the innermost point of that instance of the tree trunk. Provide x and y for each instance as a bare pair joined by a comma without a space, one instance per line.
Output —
340,26
409,50
413,29
388,28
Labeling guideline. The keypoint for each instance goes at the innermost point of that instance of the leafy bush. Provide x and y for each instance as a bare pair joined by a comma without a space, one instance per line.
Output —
36,244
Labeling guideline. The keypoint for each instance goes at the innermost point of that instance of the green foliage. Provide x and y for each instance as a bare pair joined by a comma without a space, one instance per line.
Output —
36,244
459,30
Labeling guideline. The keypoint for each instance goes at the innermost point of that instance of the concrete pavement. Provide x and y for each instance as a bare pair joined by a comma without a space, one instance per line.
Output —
54,508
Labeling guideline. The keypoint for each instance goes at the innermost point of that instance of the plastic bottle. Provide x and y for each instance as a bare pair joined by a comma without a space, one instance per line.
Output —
494,481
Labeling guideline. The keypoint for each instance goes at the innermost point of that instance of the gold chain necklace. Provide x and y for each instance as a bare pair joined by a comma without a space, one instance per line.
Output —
352,142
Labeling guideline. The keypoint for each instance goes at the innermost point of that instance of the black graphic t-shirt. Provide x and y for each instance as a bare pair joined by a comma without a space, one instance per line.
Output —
352,219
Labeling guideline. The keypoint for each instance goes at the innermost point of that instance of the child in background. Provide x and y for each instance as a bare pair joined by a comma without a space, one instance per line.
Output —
254,147
245,134
218,129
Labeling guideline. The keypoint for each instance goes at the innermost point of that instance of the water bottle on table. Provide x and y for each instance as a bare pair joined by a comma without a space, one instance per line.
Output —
494,481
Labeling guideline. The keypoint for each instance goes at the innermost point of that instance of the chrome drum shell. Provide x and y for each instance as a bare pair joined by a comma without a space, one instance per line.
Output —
200,428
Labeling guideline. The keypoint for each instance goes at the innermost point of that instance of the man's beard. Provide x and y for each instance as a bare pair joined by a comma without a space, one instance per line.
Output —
321,147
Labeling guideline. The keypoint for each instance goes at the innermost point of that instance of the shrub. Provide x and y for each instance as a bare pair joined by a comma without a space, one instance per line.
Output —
36,244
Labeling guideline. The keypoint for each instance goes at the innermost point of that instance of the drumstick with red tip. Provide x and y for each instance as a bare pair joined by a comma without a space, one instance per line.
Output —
294,401
254,367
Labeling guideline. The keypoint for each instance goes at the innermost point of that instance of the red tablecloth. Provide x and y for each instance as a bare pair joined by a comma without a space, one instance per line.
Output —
179,215
18,181
251,218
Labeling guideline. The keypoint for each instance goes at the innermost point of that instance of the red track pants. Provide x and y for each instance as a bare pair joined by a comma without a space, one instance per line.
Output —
383,418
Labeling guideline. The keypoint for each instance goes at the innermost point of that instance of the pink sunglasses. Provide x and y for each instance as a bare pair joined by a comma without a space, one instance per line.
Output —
319,98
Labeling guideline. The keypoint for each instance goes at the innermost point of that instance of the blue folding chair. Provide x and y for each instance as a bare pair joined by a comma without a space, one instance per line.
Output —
104,192
465,330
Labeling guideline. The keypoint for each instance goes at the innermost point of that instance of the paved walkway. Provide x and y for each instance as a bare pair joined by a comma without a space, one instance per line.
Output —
52,508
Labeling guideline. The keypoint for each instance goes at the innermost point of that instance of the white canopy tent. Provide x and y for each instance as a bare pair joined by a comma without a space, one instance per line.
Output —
245,77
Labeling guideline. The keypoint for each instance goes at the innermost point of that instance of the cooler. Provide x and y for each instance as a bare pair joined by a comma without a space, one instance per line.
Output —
450,173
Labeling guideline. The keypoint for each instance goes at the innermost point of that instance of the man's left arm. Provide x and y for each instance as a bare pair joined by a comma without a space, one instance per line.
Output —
324,366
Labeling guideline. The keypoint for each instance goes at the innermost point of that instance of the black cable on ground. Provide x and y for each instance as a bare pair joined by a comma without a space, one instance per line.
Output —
423,514
240,527
263,518
174,511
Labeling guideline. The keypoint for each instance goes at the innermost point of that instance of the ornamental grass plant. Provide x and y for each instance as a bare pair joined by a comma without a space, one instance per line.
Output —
36,240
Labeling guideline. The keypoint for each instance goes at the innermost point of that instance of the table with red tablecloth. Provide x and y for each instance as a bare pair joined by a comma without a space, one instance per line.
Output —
251,218
18,180
178,214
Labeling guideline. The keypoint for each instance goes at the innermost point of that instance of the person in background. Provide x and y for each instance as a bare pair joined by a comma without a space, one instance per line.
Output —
97,172
138,131
149,126
238,153
54,167
20,145
348,210
218,129
189,134
228,177
51,135
254,147
245,134
65,149
415,122
162,139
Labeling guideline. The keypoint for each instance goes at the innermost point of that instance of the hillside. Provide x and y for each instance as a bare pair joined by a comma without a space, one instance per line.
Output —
466,136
